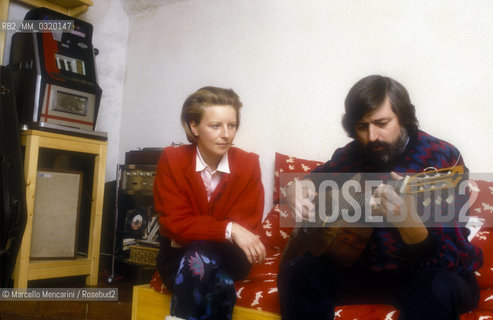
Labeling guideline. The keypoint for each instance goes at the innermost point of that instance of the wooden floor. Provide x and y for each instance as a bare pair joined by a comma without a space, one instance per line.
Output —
71,310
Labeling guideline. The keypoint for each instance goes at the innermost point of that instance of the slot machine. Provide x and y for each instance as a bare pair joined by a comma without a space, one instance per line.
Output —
55,75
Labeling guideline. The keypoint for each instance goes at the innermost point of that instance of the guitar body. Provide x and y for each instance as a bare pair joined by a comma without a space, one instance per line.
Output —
343,242
348,244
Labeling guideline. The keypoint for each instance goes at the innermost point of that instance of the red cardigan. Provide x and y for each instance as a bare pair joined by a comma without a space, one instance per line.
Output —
181,199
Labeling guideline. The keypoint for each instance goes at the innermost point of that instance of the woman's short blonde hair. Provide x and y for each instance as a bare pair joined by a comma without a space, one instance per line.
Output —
194,106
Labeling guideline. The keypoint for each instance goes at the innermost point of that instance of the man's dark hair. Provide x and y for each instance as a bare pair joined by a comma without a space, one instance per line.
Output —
369,93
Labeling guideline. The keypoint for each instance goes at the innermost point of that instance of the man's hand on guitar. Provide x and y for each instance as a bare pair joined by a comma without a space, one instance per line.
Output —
400,211
300,199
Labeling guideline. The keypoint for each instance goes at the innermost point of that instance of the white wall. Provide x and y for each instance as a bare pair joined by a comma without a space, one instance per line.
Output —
111,29
292,63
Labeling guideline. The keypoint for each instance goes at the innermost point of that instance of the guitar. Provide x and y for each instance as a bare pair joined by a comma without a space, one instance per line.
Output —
343,242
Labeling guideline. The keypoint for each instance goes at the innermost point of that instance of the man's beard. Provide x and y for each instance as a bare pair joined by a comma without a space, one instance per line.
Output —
389,152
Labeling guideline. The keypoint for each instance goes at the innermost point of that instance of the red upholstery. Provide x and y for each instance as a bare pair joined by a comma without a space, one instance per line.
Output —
287,164
483,208
259,290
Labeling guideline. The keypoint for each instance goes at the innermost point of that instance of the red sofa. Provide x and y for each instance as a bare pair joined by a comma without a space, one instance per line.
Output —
259,290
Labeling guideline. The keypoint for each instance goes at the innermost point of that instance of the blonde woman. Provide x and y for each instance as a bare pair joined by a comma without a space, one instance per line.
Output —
210,199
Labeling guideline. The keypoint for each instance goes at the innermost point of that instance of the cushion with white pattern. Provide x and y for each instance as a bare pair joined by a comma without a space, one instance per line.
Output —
482,233
297,167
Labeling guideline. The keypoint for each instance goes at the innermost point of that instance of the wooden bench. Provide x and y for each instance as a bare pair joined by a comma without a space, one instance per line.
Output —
148,304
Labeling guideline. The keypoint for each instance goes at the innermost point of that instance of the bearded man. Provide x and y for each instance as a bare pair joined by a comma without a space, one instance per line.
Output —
427,272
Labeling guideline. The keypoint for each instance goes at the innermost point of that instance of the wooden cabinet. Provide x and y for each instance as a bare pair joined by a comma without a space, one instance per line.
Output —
69,7
28,269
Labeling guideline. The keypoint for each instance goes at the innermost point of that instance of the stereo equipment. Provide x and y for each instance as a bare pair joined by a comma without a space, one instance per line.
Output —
138,179
143,156
55,76
139,171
